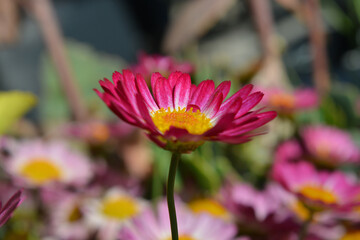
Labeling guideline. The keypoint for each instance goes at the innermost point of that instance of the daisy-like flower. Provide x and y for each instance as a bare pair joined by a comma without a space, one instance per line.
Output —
288,102
319,190
36,163
67,217
110,213
8,208
148,64
330,146
180,116
156,226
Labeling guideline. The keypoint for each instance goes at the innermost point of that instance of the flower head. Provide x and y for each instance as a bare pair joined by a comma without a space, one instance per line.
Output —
67,217
36,163
330,146
319,190
288,102
112,212
149,64
179,116
156,226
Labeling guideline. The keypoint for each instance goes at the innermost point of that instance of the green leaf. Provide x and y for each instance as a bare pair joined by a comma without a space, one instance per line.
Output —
13,105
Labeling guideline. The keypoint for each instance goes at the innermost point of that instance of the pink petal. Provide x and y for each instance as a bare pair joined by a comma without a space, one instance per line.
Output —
213,105
224,88
202,93
145,93
163,93
174,77
182,91
250,102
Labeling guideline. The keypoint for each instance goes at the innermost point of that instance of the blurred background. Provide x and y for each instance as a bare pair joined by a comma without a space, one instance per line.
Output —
58,50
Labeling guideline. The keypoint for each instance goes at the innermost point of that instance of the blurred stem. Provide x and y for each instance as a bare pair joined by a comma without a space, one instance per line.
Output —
263,19
305,227
46,18
175,158
317,36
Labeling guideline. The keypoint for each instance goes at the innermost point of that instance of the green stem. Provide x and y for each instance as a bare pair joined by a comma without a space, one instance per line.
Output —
305,227
175,158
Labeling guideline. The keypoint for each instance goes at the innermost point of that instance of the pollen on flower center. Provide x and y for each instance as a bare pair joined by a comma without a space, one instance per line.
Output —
194,122
40,171
318,194
119,208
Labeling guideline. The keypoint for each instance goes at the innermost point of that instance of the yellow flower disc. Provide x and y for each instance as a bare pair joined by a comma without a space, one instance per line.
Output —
120,207
194,122
318,194
41,171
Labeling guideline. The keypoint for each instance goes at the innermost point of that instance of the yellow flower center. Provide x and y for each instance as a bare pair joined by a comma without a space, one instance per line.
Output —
194,122
41,170
282,100
351,236
183,237
318,194
209,206
75,214
300,210
100,132
120,207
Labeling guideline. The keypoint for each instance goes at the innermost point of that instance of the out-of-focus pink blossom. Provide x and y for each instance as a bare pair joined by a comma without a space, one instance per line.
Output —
330,146
154,226
319,190
35,163
288,102
149,64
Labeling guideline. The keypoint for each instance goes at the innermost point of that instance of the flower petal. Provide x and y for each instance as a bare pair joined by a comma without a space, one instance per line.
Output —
145,93
182,91
202,93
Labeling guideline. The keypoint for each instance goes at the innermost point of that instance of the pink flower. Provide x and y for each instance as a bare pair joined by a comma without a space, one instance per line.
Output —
330,146
97,132
260,211
154,226
37,164
180,116
9,207
319,190
288,102
149,64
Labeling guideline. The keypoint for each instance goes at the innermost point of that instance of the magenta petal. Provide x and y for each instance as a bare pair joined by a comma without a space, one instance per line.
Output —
163,93
156,140
262,119
175,133
250,102
224,122
194,107
145,93
202,93
173,78
154,78
213,105
182,91
224,88
144,111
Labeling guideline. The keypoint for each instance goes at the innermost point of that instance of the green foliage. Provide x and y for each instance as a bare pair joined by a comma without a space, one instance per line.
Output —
88,66
13,105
